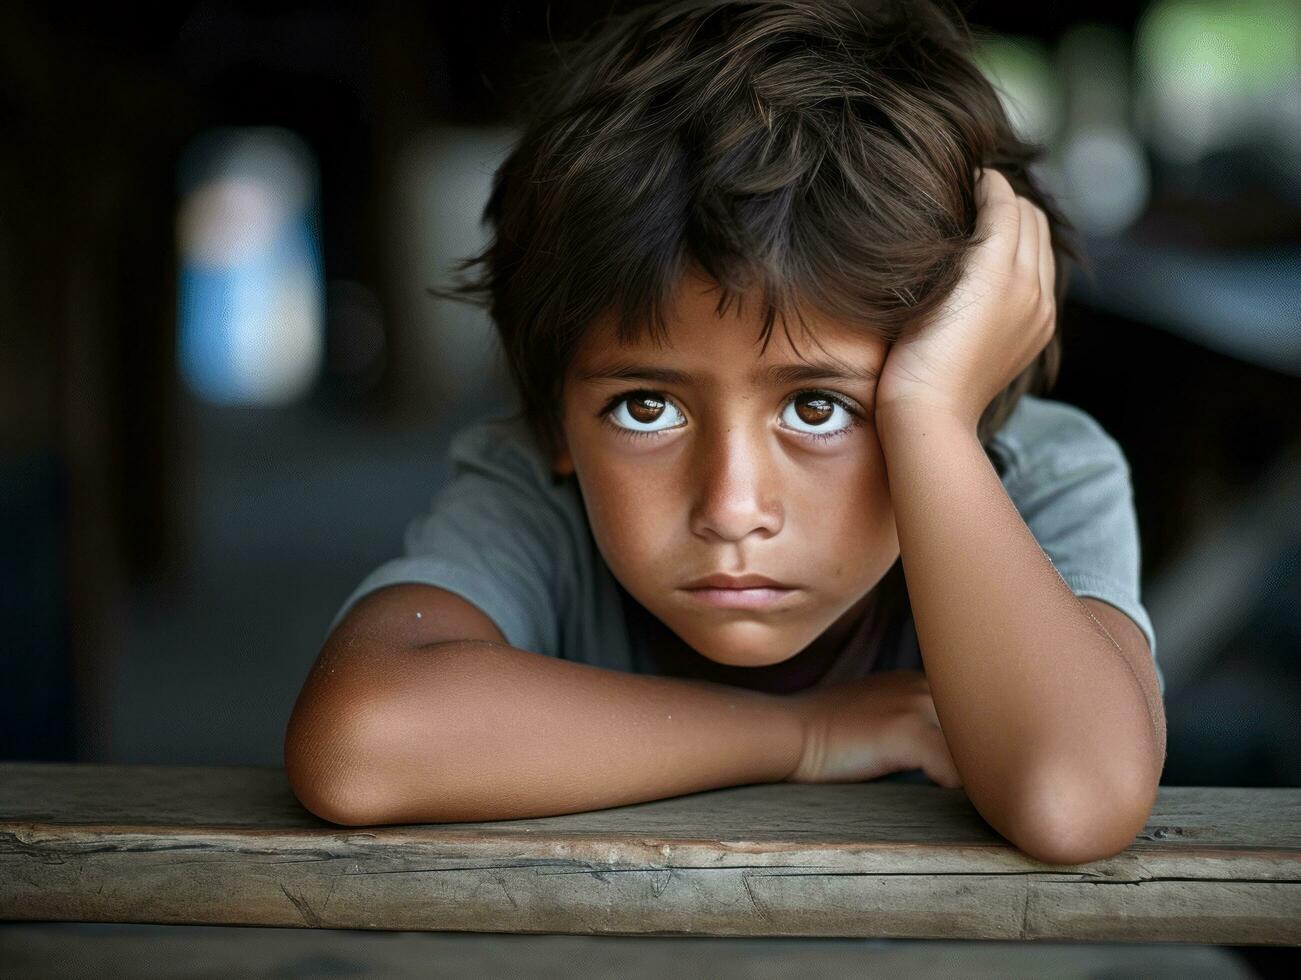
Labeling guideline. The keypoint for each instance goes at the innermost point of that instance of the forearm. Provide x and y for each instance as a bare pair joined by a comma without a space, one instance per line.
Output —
1042,715
471,730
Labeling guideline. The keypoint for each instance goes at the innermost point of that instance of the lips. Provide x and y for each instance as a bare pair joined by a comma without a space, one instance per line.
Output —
720,581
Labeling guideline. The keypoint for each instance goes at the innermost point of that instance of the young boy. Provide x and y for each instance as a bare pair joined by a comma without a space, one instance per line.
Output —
709,552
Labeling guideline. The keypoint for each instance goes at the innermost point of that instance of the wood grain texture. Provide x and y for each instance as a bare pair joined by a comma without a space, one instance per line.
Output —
231,845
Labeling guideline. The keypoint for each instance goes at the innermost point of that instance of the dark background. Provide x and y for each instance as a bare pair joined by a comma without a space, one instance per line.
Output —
170,558
169,563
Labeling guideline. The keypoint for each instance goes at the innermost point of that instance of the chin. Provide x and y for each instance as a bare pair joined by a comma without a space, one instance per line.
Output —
731,659
750,646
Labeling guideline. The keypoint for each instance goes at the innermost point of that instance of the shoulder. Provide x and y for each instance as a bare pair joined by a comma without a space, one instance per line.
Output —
502,498
499,533
1044,439
502,446
525,537
498,459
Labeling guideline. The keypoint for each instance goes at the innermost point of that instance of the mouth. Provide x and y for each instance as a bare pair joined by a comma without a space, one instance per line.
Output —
739,591
761,597
721,581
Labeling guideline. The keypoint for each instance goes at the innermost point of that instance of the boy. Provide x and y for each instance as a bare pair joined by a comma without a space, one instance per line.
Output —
713,553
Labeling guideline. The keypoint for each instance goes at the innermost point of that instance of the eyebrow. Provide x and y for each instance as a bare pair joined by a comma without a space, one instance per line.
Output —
776,375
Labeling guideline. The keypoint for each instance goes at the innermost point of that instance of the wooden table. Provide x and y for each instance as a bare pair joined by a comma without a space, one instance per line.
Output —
232,846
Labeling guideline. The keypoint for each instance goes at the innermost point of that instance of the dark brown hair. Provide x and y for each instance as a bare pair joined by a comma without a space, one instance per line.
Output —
820,153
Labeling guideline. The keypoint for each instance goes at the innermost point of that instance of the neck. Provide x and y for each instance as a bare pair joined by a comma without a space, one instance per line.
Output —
832,640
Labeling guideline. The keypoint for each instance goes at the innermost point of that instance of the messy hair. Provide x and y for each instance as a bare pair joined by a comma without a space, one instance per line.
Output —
820,155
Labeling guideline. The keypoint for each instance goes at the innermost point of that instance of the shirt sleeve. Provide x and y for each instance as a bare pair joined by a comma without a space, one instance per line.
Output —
492,538
1074,492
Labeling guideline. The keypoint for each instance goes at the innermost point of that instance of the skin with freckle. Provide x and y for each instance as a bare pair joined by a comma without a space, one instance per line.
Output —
731,479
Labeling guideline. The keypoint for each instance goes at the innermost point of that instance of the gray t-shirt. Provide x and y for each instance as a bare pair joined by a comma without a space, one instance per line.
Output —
507,539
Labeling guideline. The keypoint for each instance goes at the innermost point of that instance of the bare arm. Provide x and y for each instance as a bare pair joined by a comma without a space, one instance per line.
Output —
1056,728
389,729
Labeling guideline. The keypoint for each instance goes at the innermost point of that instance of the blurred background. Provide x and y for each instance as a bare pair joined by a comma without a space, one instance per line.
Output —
225,389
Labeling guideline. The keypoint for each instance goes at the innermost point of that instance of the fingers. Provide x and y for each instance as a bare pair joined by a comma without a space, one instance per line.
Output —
1047,263
997,210
926,708
919,685
1027,243
937,761
1034,263
914,743
1028,238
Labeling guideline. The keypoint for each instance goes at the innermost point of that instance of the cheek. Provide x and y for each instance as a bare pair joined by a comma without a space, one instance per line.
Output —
854,525
627,513
858,504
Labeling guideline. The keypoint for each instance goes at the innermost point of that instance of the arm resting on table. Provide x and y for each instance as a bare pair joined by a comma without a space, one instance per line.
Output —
474,729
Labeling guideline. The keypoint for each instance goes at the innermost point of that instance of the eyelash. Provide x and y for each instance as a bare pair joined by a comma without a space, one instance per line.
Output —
844,403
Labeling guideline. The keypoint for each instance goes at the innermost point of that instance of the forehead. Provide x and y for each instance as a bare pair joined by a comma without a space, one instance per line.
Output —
702,343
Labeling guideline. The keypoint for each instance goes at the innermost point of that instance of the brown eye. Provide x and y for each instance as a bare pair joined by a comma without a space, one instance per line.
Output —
814,409
630,412
645,408
813,413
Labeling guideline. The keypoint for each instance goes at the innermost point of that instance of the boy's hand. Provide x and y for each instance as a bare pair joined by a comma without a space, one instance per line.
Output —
998,318
859,730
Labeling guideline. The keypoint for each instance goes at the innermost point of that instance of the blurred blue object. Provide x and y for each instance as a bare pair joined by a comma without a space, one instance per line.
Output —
251,289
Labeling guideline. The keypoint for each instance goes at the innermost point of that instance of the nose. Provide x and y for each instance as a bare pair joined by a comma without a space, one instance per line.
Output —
735,486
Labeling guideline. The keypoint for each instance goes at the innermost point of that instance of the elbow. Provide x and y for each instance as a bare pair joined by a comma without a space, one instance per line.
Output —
1065,822
1077,842
326,767
332,797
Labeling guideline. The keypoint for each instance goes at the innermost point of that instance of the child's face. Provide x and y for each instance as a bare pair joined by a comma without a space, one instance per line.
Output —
730,479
